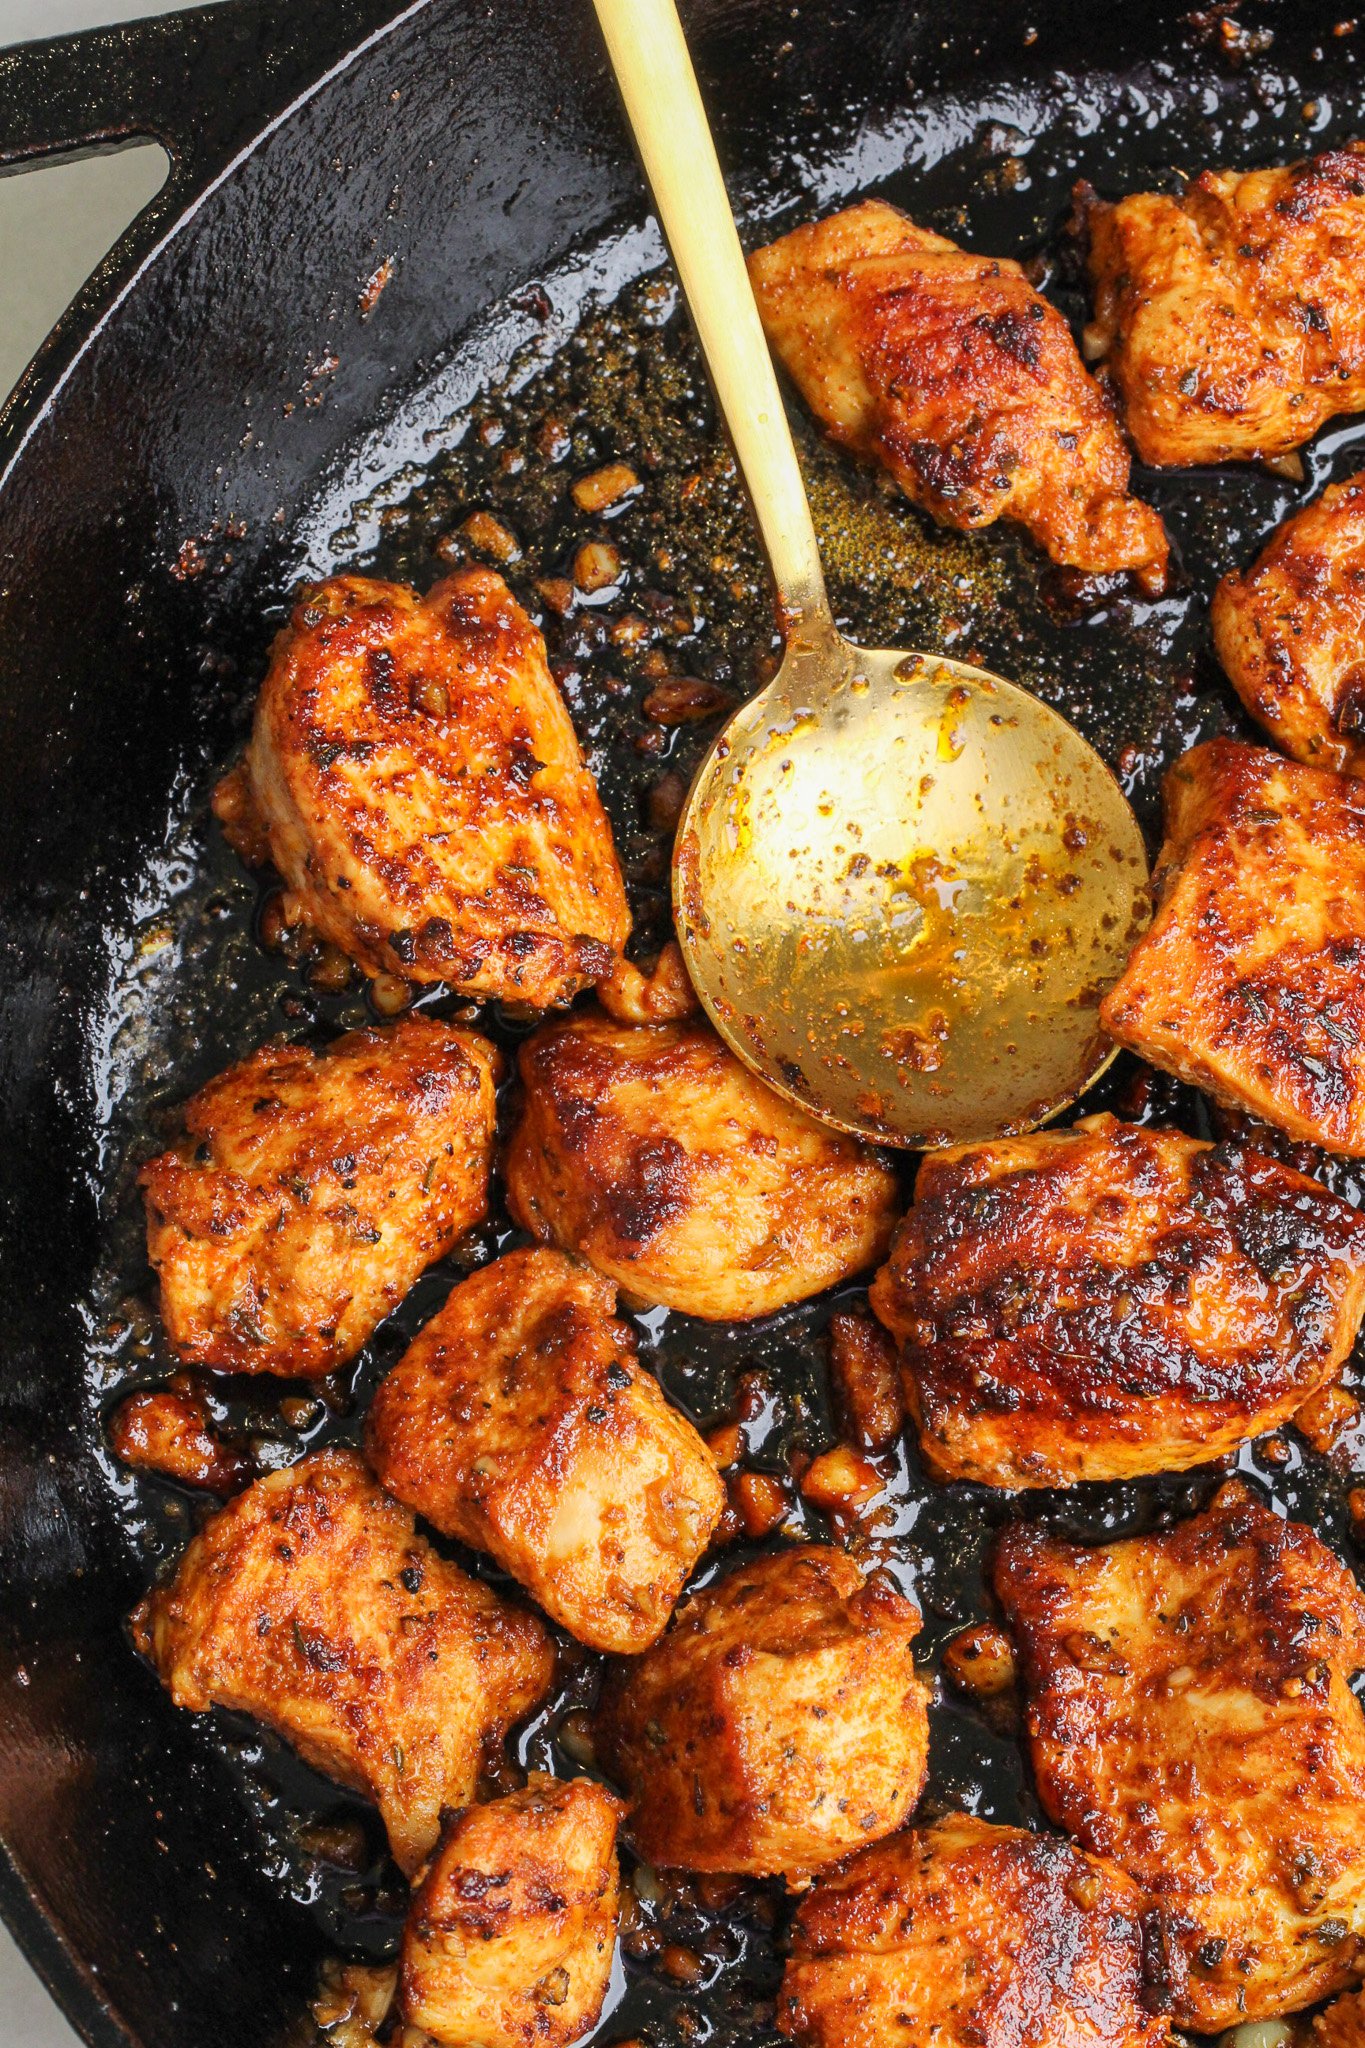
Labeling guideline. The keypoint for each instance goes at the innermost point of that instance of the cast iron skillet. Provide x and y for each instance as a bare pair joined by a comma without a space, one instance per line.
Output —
185,447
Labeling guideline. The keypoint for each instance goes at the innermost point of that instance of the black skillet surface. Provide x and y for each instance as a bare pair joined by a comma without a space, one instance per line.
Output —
428,289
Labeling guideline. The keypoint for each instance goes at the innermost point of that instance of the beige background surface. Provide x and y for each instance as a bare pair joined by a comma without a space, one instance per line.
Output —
55,224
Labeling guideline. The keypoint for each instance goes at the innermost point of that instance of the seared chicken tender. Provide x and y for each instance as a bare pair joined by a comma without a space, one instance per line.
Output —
1250,982
663,1160
519,1421
311,1602
777,1725
1190,1715
966,1935
1231,318
951,371
510,1937
424,794
1109,1301
311,1189
1291,632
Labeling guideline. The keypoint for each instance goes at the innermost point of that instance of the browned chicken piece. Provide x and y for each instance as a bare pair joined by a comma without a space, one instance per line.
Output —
1342,2025
1110,1301
311,1602
519,1421
661,996
311,1189
1251,981
952,371
968,1935
171,1432
655,1154
1190,1715
777,1725
1231,317
865,1381
1291,632
510,1937
424,794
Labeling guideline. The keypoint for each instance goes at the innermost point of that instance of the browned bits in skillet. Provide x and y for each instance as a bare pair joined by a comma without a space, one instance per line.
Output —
311,1189
510,1937
596,566
948,368
777,1725
519,1421
1290,631
1114,1300
1190,1715
682,700
761,1501
980,1661
1251,980
603,489
170,1431
557,594
658,1156
967,1933
865,1380
353,2001
1327,1416
234,807
486,532
1230,317
840,1481
311,1603
665,800
425,797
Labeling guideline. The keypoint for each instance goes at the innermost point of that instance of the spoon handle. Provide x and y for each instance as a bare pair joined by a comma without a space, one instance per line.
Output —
659,87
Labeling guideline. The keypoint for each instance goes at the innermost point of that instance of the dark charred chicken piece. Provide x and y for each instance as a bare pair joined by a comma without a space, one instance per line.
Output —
1110,1300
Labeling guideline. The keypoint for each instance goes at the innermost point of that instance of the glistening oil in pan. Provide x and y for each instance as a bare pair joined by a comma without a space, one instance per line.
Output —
658,618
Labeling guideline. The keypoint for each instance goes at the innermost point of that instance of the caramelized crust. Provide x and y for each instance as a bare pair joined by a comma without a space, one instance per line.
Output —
510,1937
311,1190
1109,1301
519,1421
311,1603
1250,982
1231,318
1190,1715
424,794
1291,632
777,1725
658,1156
949,369
966,1935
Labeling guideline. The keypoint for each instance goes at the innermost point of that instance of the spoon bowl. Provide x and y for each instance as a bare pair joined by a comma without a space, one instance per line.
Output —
901,885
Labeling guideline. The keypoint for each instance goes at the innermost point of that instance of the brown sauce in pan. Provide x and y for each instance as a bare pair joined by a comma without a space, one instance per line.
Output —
648,665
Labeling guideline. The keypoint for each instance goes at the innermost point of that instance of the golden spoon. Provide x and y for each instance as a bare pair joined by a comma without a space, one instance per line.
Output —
901,884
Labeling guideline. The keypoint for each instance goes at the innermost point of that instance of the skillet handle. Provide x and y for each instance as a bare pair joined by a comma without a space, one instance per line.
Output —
201,83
